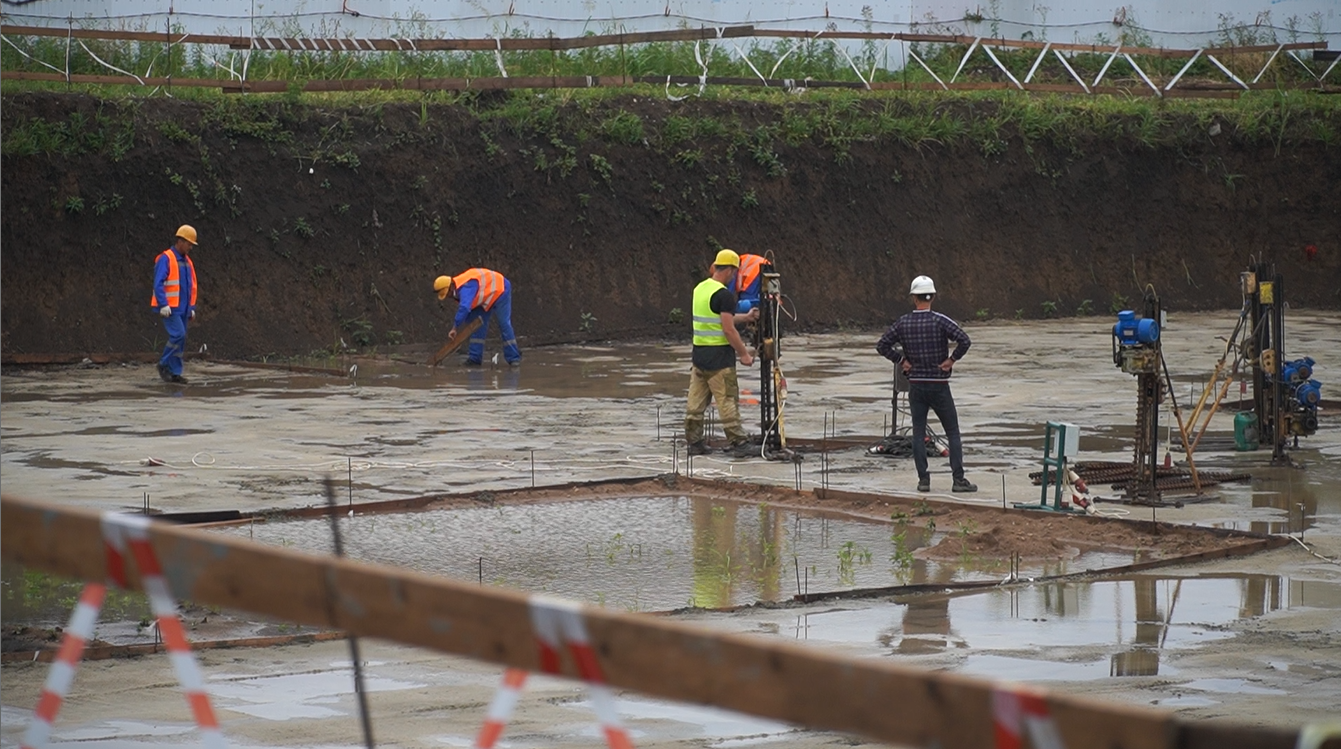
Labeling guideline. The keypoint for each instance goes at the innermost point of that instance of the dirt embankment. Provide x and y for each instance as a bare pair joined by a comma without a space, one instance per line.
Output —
327,224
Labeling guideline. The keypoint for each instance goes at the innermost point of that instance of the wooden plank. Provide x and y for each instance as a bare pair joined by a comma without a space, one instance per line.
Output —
462,336
767,677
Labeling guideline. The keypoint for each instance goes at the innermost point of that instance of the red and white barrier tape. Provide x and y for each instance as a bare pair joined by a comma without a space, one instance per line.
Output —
62,672
558,625
121,532
1016,710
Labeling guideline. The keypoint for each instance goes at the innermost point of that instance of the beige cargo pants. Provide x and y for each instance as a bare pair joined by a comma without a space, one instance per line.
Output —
721,385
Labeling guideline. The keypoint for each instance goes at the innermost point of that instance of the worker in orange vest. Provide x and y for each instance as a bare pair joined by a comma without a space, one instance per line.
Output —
749,279
482,293
173,272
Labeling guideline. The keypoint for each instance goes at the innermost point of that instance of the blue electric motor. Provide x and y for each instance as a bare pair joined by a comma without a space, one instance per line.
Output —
1299,370
1308,393
1131,331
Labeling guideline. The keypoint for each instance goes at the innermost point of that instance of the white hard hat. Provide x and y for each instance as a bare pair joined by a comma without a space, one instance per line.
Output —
923,285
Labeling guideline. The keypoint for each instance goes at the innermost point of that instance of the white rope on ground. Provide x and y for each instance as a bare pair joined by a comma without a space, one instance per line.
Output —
1305,546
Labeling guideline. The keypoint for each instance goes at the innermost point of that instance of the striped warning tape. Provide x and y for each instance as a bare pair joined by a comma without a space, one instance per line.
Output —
62,672
558,625
120,534
1016,710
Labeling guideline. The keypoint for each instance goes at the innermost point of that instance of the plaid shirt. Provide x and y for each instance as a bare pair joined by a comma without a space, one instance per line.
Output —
922,337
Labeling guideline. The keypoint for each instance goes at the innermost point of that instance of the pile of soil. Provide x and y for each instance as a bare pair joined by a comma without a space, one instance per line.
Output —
323,228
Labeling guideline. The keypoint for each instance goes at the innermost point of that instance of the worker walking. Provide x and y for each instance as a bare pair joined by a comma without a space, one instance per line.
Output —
174,271
749,279
919,344
717,344
482,293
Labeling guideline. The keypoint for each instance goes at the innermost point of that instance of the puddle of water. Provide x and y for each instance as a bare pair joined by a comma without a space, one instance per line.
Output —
290,696
642,553
727,728
1186,701
1230,686
1132,621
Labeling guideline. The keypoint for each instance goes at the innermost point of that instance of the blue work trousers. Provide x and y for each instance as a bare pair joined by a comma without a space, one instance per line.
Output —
172,353
502,311
935,396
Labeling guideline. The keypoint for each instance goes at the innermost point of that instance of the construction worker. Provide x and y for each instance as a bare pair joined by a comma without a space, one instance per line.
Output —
717,343
919,344
482,293
174,271
748,281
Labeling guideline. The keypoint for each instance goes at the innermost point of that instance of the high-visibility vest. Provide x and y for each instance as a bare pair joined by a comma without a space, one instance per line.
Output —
750,266
172,285
708,324
491,286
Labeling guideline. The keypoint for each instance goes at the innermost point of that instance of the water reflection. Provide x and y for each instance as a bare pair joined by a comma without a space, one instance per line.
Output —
1138,618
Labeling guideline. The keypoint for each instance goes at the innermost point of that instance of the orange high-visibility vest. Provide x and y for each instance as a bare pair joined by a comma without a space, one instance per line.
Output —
172,285
491,286
750,265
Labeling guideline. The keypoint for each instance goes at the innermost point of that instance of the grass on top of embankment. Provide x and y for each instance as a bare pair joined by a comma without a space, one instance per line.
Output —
984,121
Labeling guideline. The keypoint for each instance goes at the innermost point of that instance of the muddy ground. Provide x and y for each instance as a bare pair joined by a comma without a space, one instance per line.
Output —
323,227
1252,639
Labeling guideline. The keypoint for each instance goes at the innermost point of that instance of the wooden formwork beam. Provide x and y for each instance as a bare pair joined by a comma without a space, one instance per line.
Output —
761,676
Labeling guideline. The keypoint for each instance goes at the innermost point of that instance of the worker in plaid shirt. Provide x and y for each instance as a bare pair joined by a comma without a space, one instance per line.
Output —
919,343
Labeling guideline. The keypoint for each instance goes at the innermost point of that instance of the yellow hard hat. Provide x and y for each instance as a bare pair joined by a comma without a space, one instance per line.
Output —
187,232
443,285
727,257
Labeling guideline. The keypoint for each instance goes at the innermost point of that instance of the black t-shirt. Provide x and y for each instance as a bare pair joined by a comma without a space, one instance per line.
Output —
709,358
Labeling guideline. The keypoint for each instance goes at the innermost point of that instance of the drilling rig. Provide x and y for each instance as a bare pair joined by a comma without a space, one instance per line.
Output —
768,344
1137,351
1285,397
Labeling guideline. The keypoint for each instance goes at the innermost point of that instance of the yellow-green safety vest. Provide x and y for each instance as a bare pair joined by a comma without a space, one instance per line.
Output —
708,324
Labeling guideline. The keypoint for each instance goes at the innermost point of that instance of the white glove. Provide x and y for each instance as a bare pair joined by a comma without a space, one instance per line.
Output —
165,311
191,315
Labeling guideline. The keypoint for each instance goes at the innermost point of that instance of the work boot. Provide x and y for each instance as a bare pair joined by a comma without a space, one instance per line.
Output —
742,450
697,448
473,363
964,485
164,373
924,484
178,379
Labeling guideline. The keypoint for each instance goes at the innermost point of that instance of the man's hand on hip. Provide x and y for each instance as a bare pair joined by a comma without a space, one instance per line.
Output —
907,366
947,365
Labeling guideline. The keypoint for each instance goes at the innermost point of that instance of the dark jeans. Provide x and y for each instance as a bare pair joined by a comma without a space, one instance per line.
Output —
935,396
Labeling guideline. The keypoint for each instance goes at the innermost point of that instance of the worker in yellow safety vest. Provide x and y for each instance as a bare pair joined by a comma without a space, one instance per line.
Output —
173,272
485,294
717,344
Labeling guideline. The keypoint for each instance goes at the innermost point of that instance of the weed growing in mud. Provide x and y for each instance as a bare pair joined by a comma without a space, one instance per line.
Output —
902,558
1049,308
1118,303
302,228
1019,314
623,127
850,555
676,316
1086,308
74,204
588,322
601,166
749,200
107,204
983,314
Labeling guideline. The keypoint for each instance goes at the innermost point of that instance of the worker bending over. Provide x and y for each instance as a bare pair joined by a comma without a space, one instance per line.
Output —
173,271
919,343
482,293
717,343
